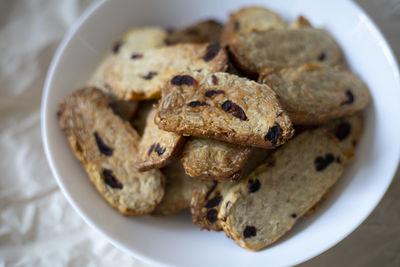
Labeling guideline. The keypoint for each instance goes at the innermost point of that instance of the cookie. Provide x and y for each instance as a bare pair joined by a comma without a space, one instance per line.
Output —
225,107
213,159
206,202
250,19
141,76
290,182
207,195
287,48
139,119
156,147
348,131
316,93
206,31
105,144
178,190
134,41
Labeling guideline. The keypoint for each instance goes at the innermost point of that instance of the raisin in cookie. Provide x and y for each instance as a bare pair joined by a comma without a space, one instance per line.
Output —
348,131
225,107
250,19
201,32
178,190
291,181
315,92
206,202
156,147
142,76
207,195
213,159
105,144
286,48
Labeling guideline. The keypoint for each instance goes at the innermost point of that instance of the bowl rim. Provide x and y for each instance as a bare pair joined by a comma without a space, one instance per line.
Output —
91,9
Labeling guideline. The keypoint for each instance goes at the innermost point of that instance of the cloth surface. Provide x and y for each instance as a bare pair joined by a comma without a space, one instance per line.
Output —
37,225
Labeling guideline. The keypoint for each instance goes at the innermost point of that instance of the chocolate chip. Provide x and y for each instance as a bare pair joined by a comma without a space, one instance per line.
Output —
211,189
211,93
294,215
322,162
338,160
236,25
321,57
136,56
149,75
212,215
183,80
253,185
151,149
159,149
103,148
273,134
249,231
342,130
197,103
234,109
350,98
213,202
117,46
212,52
214,79
110,179
116,111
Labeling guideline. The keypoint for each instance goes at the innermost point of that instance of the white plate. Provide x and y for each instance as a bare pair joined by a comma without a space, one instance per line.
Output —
174,240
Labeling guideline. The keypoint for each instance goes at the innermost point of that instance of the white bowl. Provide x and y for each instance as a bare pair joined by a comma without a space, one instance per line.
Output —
175,240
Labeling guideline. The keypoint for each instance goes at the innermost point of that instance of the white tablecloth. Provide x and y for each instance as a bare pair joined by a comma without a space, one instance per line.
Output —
37,225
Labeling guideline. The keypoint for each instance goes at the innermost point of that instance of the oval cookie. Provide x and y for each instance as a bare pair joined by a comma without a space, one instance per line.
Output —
105,144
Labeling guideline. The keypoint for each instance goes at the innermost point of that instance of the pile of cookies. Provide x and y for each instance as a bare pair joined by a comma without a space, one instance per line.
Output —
249,123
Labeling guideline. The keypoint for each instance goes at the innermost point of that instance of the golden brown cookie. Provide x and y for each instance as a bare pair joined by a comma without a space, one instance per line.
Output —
141,76
105,143
290,182
225,107
134,41
156,147
315,92
178,190
207,31
212,159
287,48
250,19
